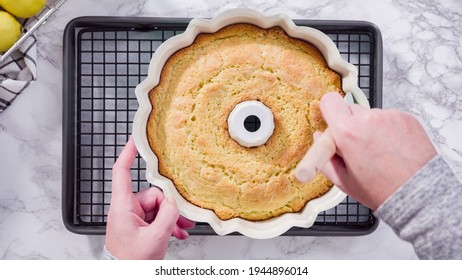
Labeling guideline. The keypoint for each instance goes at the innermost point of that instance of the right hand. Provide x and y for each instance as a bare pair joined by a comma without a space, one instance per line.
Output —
377,150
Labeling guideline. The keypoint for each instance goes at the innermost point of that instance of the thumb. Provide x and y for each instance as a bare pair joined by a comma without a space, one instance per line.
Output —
121,177
316,135
166,219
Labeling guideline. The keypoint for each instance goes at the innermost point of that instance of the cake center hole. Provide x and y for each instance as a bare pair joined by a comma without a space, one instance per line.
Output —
252,123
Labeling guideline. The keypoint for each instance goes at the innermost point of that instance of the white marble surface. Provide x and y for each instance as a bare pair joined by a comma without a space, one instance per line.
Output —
422,75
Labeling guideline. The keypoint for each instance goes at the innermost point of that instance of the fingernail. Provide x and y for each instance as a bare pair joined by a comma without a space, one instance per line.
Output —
304,175
316,135
171,200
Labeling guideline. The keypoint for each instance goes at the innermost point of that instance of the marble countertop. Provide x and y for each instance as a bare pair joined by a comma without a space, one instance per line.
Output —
422,42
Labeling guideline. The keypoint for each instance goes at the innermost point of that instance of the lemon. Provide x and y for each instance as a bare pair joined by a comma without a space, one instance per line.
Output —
10,31
23,8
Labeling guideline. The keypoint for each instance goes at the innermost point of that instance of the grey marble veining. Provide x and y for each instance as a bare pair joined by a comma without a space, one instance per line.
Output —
422,75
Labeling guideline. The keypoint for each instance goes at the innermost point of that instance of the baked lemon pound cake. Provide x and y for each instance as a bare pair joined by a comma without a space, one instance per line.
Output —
188,130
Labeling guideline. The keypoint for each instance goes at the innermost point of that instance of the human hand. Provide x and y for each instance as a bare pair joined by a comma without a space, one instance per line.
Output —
377,150
139,225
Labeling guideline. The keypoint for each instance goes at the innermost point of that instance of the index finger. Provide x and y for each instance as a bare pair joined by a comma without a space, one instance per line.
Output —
333,108
121,177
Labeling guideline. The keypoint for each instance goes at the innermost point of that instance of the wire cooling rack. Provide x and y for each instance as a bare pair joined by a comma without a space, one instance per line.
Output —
106,58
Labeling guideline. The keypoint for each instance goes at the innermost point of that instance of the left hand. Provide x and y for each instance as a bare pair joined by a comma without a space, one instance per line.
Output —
139,225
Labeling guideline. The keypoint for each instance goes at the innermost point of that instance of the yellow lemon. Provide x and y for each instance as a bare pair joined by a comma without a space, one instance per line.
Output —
23,8
10,31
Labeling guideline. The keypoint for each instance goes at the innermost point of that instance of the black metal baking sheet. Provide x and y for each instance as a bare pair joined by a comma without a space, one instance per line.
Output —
106,57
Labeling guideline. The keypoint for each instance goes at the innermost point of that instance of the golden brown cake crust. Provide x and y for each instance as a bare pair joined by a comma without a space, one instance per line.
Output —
188,131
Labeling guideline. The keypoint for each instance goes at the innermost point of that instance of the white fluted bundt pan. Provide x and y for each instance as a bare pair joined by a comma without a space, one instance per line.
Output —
254,229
